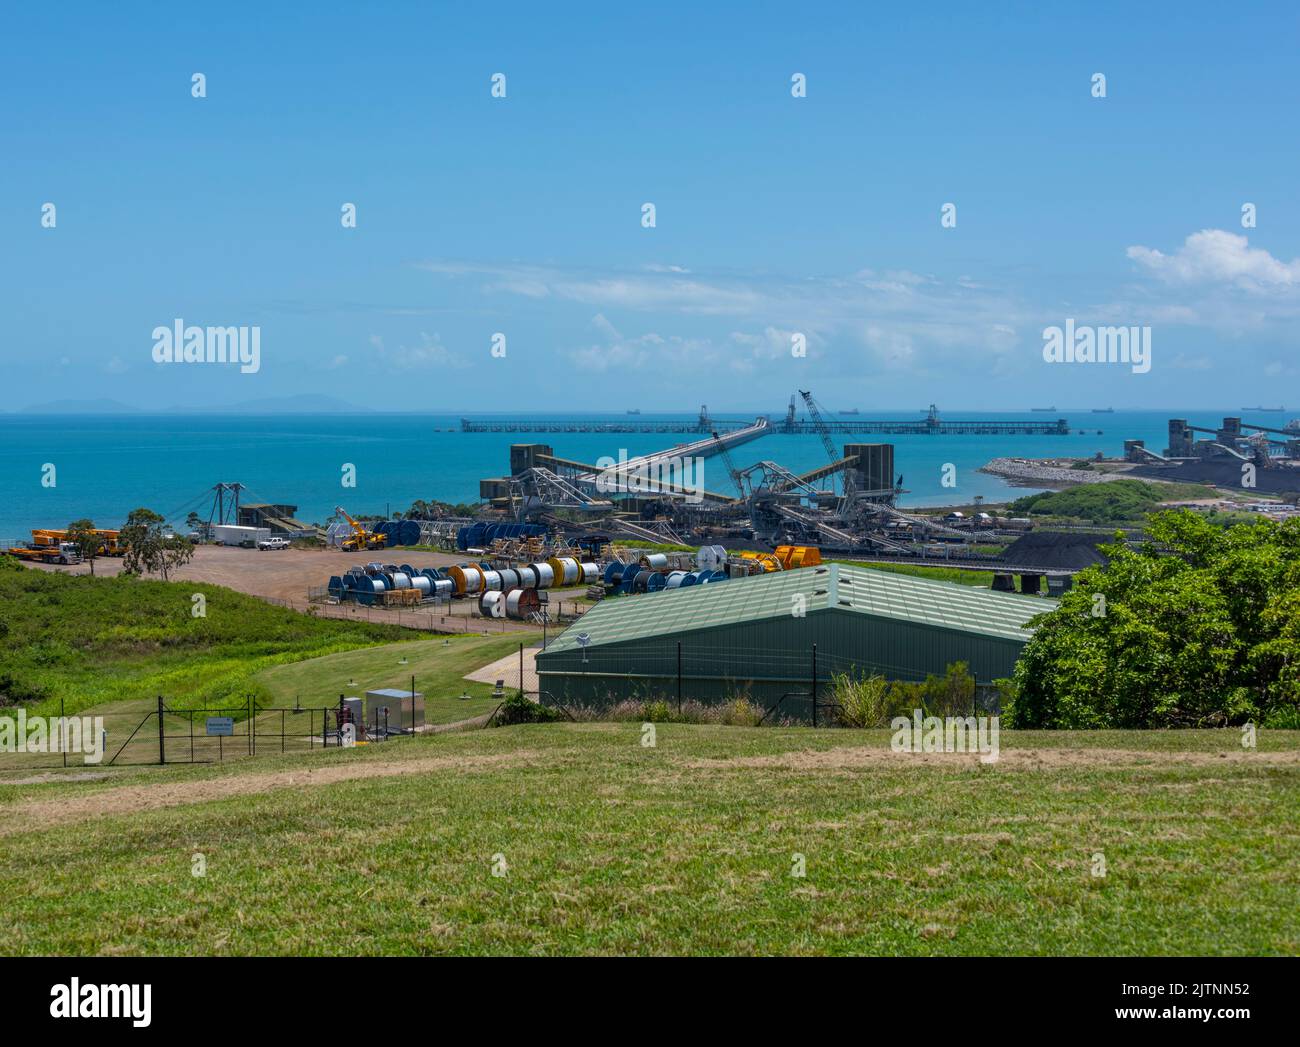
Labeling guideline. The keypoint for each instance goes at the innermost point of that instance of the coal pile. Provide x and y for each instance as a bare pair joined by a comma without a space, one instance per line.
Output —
1066,550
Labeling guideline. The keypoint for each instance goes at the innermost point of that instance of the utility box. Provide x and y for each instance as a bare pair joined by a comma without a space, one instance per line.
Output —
405,708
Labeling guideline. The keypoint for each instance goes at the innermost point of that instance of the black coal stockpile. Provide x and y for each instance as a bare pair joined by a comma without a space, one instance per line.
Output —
1063,549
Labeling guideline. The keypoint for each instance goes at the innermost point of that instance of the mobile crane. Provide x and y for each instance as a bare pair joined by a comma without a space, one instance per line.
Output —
361,538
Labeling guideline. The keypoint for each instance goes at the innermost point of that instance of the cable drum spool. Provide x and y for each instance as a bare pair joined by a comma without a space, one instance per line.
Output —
492,581
400,580
367,588
520,603
509,579
443,588
675,579
614,572
568,571
527,578
545,575
590,573
654,561
466,579
641,581
493,604
711,557
419,581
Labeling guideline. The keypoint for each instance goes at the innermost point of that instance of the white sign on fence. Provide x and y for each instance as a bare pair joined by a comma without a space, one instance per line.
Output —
221,725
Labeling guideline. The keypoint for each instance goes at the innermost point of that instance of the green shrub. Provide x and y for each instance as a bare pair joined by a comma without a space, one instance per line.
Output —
1283,718
657,711
518,708
740,712
865,702
1200,627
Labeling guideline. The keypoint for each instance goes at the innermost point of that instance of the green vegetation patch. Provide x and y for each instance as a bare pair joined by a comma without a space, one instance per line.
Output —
959,575
91,641
1199,627
1117,501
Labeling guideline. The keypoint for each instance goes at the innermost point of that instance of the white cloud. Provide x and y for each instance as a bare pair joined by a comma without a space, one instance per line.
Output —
898,317
115,365
1215,256
428,353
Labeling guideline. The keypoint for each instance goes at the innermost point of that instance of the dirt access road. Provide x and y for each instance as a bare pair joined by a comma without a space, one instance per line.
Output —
285,575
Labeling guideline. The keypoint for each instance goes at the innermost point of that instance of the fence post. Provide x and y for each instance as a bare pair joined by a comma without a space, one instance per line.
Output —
679,676
521,667
162,750
814,684
63,731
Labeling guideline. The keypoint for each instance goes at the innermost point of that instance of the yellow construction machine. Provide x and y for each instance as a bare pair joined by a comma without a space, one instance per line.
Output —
361,538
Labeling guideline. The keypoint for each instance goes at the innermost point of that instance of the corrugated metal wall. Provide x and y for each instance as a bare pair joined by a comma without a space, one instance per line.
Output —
768,658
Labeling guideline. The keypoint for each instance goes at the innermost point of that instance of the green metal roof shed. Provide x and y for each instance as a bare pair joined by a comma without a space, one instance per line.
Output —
755,636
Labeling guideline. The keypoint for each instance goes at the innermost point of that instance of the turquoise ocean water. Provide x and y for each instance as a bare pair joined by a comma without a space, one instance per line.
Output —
109,465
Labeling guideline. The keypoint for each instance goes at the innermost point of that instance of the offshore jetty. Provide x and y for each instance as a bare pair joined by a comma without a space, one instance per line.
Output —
930,425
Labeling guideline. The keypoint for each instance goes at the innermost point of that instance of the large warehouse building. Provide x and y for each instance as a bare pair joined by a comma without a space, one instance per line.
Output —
770,637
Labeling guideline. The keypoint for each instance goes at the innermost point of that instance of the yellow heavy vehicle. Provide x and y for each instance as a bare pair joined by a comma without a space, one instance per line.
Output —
65,553
110,541
792,556
766,562
785,558
361,538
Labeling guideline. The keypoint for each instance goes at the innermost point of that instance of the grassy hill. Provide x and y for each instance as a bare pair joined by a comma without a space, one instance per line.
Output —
1118,501
438,665
92,641
608,846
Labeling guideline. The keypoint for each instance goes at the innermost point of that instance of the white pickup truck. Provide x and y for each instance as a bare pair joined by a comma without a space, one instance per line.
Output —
273,543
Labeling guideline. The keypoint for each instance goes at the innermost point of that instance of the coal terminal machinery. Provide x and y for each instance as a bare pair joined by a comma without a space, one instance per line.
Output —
1219,456
847,504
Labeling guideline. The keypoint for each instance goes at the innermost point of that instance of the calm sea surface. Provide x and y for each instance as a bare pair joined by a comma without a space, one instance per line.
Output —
108,465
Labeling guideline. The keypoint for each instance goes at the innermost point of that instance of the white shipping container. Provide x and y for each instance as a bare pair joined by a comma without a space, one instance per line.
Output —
229,534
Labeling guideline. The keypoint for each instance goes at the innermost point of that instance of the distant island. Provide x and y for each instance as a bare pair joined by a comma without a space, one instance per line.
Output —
304,403
81,407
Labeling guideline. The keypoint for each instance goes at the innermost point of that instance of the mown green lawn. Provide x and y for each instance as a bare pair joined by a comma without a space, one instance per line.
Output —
685,847
961,575
438,665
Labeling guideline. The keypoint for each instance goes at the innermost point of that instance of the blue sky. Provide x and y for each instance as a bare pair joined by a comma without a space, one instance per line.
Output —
775,215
